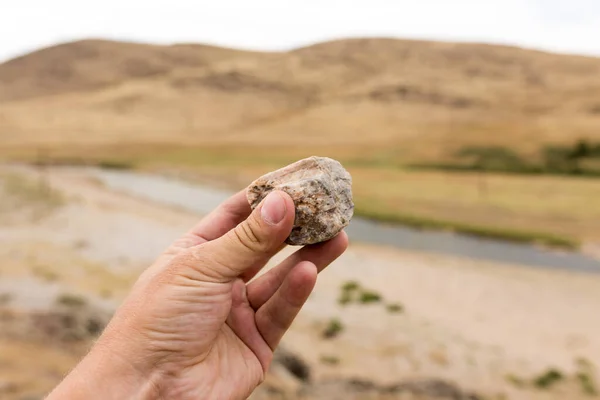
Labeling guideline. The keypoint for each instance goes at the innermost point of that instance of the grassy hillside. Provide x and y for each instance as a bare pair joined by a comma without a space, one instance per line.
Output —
92,64
430,99
377,104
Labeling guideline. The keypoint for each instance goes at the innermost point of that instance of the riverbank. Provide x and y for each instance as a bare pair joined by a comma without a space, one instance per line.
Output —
178,192
554,211
378,314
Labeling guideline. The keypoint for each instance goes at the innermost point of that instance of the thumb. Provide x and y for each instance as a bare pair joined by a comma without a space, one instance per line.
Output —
249,246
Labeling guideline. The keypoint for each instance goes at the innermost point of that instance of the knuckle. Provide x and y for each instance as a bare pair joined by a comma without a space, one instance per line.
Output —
194,255
247,235
196,264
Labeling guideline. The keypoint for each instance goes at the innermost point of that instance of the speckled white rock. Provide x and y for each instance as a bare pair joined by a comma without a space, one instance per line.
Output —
322,192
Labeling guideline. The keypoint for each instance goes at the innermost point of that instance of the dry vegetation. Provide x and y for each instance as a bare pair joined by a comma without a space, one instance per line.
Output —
433,328
376,104
22,195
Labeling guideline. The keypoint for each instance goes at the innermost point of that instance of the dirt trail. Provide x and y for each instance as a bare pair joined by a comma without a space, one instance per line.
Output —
483,326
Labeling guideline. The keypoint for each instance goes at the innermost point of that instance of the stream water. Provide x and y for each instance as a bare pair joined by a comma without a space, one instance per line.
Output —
202,199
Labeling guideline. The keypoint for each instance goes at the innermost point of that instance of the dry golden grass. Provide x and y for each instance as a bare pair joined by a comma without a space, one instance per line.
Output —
554,210
376,104
426,99
559,205
21,196
91,64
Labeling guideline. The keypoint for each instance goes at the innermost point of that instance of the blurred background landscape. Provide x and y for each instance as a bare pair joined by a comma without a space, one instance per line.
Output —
473,268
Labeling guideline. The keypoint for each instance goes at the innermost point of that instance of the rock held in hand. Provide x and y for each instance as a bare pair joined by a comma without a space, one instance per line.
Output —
322,192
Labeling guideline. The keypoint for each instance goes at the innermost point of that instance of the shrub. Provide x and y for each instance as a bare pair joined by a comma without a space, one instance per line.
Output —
585,377
333,329
350,286
587,383
548,379
367,297
349,290
71,300
395,308
345,298
493,158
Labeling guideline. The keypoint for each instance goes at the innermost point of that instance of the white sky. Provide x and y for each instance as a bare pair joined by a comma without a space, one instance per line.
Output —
571,26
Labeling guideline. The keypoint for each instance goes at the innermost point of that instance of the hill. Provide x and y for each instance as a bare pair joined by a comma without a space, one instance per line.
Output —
375,104
92,64
425,99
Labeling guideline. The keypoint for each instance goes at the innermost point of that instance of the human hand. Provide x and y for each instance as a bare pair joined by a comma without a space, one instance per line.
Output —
194,326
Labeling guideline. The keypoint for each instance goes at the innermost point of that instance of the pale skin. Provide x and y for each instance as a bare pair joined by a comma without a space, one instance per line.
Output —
194,325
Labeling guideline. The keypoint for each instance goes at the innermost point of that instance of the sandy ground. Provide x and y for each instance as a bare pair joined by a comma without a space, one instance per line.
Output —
488,327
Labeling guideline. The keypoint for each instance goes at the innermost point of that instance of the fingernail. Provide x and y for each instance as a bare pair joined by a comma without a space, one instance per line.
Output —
273,209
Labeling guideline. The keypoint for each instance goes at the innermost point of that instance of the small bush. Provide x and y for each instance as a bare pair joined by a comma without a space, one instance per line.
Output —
492,158
333,329
350,286
587,383
548,379
367,297
345,298
395,308
71,300
585,377
348,293
564,159
330,360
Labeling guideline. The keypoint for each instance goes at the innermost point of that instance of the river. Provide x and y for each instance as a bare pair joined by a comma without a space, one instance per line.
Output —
203,199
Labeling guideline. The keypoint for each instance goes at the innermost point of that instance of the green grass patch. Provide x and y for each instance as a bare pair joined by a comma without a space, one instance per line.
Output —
584,377
345,298
237,165
548,379
395,308
567,159
588,386
350,286
334,328
369,297
71,300
348,292
507,234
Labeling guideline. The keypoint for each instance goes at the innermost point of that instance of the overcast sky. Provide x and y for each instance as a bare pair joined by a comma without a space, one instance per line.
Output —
571,26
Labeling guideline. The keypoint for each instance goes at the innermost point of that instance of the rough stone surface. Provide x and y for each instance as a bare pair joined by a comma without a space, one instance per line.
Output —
322,192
